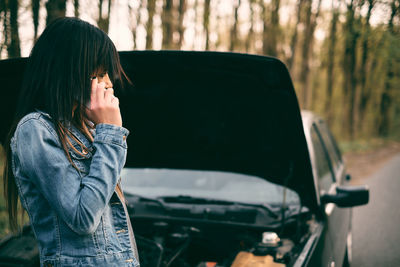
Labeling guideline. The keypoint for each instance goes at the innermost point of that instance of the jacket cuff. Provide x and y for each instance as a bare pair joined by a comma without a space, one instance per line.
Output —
111,134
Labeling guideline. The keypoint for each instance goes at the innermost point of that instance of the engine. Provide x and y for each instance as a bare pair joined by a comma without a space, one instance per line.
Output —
175,244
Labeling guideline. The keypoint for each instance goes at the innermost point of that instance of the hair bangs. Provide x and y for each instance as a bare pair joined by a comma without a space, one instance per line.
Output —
109,61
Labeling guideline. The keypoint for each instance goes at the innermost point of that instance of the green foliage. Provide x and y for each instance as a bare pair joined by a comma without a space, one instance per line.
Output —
383,51
4,227
361,145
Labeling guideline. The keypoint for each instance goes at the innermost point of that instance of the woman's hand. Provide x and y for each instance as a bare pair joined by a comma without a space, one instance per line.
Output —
104,106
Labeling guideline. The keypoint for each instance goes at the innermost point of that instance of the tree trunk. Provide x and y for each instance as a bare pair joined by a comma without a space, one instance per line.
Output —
76,8
181,29
55,9
310,24
134,21
275,34
234,33
293,42
349,67
35,17
376,61
5,17
133,25
151,7
386,97
265,36
271,28
331,63
104,23
365,92
250,35
167,24
206,22
14,49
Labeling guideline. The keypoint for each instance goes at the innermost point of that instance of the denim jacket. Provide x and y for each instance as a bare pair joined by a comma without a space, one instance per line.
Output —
76,215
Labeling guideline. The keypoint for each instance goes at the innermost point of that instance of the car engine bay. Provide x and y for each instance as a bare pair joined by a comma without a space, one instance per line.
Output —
177,238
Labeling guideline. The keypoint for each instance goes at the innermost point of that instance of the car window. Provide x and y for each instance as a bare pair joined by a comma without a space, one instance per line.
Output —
153,183
331,147
325,177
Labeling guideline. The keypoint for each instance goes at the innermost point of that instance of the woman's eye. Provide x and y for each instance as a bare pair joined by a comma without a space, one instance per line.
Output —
102,75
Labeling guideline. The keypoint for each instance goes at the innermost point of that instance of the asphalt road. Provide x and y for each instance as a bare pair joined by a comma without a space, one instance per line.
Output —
376,226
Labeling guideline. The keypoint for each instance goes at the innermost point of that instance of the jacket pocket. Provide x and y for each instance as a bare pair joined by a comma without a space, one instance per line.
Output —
81,158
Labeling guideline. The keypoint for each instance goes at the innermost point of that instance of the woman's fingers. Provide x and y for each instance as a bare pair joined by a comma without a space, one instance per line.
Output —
109,95
104,107
97,92
100,93
115,100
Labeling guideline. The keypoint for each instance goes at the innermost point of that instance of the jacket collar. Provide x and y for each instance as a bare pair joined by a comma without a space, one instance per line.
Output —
77,134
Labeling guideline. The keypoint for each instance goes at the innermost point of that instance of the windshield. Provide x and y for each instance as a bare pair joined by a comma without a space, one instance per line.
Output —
154,183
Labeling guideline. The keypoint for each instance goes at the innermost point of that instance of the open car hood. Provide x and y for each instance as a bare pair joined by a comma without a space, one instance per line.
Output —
205,111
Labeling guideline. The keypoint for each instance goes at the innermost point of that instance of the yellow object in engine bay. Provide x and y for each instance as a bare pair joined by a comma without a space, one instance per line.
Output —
248,259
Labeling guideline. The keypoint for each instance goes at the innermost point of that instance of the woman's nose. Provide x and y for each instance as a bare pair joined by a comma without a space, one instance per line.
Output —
106,80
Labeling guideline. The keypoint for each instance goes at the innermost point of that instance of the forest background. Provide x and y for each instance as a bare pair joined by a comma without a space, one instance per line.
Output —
343,55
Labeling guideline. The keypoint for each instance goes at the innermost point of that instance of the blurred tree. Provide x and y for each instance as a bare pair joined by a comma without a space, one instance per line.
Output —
249,43
375,79
234,40
331,61
351,35
394,58
181,28
365,90
356,65
4,16
308,42
35,17
151,8
195,21
293,42
206,22
55,9
271,28
76,8
14,49
104,22
167,24
134,20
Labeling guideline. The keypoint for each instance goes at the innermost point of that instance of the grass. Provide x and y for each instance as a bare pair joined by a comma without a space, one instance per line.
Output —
362,145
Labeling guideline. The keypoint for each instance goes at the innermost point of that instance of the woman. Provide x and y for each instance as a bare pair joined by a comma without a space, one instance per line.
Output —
67,148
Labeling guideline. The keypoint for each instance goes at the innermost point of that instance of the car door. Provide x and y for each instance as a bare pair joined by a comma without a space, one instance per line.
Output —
330,173
324,181
338,219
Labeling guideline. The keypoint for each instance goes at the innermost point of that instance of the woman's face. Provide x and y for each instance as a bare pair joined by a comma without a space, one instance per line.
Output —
102,76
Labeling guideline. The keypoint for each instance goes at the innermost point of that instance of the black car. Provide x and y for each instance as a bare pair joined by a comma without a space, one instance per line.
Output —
223,169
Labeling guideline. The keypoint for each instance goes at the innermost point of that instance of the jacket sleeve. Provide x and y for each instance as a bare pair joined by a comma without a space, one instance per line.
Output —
80,202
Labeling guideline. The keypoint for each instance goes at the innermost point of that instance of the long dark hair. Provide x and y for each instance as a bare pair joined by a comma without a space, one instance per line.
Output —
56,80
